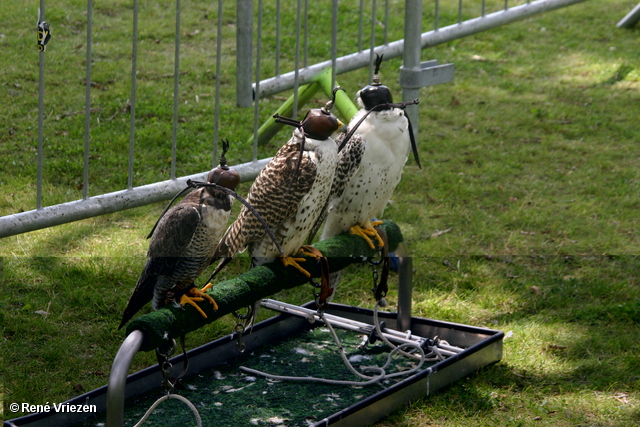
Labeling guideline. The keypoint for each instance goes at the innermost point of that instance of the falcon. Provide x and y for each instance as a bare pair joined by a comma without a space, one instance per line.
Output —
289,193
372,155
182,245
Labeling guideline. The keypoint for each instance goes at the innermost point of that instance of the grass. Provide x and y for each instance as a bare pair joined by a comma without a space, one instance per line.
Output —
529,160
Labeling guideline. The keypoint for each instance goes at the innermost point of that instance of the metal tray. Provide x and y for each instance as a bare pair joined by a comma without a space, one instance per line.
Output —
482,346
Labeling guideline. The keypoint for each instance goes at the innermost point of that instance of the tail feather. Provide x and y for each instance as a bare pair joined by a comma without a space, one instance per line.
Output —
142,293
138,299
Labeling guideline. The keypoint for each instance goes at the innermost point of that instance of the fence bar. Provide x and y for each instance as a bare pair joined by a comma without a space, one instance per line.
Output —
386,22
277,70
87,103
244,54
361,23
334,41
110,202
373,38
40,118
176,93
132,102
297,61
493,20
306,33
357,60
216,118
256,104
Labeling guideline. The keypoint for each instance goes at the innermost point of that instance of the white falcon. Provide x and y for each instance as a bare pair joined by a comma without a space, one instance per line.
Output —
372,155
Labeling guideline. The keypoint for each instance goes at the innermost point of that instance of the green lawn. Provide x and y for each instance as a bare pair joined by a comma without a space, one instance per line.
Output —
530,163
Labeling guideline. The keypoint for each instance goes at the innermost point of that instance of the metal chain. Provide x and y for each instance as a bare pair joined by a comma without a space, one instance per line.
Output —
163,354
242,347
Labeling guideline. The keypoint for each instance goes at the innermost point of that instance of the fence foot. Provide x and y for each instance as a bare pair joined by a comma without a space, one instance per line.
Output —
631,19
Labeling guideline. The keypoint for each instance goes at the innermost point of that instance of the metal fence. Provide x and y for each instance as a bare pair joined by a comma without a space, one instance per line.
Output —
252,86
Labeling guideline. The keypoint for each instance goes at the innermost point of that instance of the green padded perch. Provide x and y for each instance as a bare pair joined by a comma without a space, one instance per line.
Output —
257,283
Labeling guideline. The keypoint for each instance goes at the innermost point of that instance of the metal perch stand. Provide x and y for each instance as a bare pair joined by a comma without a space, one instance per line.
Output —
153,329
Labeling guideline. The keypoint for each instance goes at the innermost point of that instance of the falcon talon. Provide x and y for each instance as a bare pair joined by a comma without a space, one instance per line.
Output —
209,297
184,300
194,295
365,233
293,262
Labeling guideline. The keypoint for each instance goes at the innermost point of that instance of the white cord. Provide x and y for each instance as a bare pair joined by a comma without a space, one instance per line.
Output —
369,380
435,355
171,396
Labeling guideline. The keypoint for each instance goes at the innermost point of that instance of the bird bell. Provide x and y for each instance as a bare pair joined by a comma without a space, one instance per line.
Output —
376,93
223,175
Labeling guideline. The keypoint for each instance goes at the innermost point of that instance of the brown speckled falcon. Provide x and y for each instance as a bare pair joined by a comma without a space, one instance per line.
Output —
182,245
289,192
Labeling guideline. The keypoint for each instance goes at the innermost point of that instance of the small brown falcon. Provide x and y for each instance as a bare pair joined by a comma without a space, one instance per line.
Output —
183,243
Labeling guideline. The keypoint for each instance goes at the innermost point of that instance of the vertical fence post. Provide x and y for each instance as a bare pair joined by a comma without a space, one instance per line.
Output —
306,33
297,61
256,104
277,69
411,55
244,37
334,40
132,101
216,114
176,93
373,38
40,118
87,106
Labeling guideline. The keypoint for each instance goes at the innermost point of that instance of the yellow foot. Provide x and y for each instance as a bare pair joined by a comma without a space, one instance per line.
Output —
291,261
368,231
310,251
194,295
